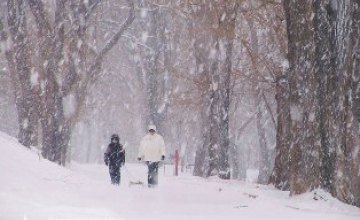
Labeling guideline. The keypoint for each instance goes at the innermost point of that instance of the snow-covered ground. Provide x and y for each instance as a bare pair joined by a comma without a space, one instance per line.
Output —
33,188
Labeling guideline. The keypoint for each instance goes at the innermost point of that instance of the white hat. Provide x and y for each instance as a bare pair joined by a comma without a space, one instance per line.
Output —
152,127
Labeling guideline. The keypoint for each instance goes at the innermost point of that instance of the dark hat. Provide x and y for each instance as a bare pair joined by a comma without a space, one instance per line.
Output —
115,136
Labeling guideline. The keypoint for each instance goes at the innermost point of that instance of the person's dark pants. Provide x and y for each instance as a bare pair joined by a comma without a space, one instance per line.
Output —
153,168
115,174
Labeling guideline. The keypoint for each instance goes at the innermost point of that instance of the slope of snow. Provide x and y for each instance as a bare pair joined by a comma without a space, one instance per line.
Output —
34,188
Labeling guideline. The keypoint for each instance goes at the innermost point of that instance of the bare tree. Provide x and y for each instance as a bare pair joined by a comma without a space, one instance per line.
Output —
66,65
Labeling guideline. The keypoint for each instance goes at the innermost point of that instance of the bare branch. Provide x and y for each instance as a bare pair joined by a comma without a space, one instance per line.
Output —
269,109
94,70
112,42
243,126
91,8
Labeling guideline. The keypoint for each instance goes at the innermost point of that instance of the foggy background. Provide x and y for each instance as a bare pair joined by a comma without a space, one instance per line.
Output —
117,101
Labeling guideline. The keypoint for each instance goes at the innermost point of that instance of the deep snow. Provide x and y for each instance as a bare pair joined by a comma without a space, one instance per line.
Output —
34,188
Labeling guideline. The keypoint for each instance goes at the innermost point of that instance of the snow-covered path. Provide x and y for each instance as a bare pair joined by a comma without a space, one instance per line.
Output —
33,188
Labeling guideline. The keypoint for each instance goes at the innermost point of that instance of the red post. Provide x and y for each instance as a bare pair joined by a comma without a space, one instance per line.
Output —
177,157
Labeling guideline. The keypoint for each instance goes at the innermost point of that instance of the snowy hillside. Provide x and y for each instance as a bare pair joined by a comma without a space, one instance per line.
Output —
33,188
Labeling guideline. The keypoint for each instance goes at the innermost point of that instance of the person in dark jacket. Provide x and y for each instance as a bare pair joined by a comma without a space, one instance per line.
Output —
114,158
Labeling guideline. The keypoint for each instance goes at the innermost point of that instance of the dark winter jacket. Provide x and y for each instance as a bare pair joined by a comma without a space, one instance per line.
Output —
114,155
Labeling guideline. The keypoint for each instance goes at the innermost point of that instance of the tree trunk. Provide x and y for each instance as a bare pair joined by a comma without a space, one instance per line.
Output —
324,147
156,76
323,69
201,53
214,104
216,29
153,71
355,41
280,174
264,165
228,35
234,158
347,141
305,141
19,66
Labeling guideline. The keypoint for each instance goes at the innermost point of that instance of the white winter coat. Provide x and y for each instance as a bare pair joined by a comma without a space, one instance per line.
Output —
152,147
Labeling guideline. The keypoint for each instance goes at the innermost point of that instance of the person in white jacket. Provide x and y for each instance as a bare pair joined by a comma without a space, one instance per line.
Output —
152,151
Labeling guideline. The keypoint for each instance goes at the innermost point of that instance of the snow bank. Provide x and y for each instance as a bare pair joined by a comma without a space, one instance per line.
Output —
34,188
